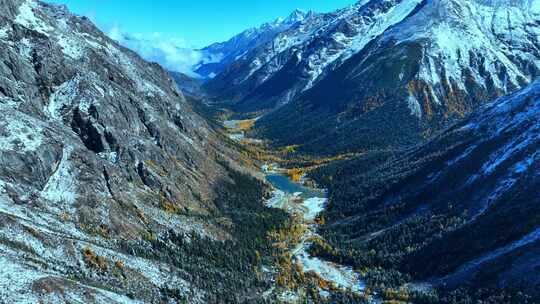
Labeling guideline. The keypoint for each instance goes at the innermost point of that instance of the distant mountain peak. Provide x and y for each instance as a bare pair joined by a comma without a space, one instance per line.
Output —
218,56
296,16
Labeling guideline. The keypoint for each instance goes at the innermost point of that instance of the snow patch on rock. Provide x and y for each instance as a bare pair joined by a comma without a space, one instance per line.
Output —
20,135
62,97
512,148
62,185
4,34
142,84
28,18
159,274
25,48
16,281
414,106
70,47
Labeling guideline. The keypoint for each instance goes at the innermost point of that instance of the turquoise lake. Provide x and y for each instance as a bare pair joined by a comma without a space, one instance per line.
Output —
285,184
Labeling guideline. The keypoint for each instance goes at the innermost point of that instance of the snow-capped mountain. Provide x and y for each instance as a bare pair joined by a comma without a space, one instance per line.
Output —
432,60
461,208
216,57
307,50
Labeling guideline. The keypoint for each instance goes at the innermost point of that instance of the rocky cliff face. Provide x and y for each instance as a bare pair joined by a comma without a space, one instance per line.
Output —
100,157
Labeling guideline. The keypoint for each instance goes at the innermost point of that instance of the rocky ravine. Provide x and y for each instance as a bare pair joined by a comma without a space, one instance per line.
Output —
99,151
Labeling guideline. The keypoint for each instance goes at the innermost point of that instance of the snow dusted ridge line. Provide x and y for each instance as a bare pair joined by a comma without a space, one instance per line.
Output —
441,56
216,57
472,265
349,46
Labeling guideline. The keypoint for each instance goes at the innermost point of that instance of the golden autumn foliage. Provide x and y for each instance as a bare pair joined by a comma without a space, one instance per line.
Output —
119,269
142,216
94,260
245,125
149,236
119,264
295,174
64,216
285,238
290,275
253,153
168,206
323,284
242,126
289,149
320,220
393,296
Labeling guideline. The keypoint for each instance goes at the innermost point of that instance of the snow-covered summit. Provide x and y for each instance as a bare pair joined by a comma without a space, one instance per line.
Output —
296,16
218,56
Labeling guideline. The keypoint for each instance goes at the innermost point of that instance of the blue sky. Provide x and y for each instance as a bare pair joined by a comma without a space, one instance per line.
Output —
169,32
196,22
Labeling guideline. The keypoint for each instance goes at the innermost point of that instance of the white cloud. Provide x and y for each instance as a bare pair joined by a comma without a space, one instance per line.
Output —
172,53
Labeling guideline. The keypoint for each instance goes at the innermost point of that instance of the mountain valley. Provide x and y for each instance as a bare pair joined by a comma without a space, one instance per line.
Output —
386,152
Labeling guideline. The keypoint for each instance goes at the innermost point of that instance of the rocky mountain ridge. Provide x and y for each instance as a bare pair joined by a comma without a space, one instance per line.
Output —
326,71
111,187
218,56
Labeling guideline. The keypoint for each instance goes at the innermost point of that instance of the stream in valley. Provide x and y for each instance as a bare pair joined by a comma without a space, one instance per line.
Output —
307,204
